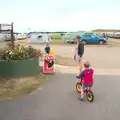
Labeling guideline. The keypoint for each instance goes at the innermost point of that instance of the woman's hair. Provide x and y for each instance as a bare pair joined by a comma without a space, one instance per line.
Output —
87,64
78,37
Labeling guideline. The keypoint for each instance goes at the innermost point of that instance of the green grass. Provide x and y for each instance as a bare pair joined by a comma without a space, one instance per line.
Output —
56,36
33,87
54,42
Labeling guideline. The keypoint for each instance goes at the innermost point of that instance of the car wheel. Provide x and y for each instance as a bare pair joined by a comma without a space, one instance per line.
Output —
84,42
101,42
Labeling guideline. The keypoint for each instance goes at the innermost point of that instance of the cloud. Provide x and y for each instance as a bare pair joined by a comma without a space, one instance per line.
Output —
56,15
94,20
71,22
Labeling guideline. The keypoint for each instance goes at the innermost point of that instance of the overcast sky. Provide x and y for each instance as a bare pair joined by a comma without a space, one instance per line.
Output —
60,15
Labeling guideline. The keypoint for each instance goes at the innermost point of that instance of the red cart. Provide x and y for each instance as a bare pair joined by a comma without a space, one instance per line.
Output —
48,65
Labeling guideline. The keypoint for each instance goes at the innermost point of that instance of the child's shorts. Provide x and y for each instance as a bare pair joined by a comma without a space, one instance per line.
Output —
85,86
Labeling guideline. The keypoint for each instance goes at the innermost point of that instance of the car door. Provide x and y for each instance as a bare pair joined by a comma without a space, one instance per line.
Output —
88,38
94,38
85,38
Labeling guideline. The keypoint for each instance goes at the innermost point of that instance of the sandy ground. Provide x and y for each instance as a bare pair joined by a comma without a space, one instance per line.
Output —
100,57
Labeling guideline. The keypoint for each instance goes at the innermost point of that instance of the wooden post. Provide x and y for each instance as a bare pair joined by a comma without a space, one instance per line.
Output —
12,36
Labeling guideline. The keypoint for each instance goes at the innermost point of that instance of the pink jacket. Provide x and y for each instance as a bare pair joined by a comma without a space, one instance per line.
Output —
88,76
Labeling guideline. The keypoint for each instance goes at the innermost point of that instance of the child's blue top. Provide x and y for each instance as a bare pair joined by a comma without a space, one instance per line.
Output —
47,49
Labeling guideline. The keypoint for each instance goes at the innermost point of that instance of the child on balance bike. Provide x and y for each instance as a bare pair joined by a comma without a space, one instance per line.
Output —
87,77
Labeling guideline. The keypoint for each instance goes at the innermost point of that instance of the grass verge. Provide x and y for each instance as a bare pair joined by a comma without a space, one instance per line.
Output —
17,87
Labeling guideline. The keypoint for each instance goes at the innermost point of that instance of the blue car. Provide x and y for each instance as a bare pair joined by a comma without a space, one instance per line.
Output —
93,38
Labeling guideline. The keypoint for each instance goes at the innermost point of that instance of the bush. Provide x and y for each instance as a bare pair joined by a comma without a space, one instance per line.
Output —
20,53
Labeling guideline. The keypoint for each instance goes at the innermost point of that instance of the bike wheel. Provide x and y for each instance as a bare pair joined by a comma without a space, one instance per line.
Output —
90,96
78,87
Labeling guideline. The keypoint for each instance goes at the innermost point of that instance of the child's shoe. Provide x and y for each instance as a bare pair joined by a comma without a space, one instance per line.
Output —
81,99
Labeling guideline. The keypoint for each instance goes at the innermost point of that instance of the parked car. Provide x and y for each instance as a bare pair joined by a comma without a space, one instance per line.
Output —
93,38
111,35
6,37
21,36
70,38
117,36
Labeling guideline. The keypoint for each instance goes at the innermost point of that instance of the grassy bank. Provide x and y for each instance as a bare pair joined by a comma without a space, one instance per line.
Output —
17,87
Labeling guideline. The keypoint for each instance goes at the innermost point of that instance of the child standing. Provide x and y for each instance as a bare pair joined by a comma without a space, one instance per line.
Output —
47,48
87,77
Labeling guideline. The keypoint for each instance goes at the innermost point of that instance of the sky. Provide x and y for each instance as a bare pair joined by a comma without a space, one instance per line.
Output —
60,15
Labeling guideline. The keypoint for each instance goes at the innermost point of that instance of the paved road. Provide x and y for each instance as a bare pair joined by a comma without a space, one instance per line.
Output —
58,101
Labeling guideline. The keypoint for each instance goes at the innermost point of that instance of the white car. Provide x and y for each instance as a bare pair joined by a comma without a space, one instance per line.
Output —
6,37
21,36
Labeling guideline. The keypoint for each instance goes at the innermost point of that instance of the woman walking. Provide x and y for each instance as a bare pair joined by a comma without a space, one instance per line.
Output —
79,51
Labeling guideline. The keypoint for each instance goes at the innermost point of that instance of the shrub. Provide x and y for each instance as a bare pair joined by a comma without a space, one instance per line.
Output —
20,52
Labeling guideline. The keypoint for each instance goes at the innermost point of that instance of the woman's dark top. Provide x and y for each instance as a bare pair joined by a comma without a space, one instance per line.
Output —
80,49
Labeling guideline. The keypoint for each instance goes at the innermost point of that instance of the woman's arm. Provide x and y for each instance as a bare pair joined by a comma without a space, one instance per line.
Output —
81,75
